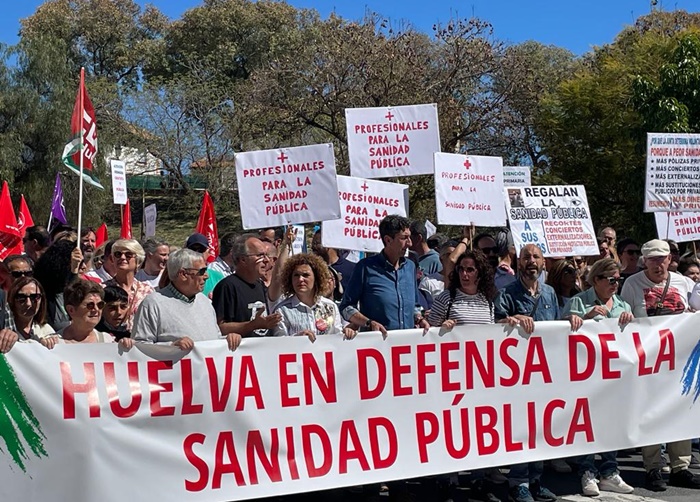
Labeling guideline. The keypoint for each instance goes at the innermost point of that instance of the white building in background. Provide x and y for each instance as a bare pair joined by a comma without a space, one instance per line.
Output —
137,162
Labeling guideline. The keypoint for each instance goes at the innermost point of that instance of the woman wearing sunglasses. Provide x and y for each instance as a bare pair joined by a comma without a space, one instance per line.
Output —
28,310
599,302
562,277
84,301
128,255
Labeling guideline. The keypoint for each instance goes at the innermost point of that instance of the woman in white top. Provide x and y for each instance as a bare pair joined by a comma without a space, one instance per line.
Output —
305,311
469,298
27,304
84,301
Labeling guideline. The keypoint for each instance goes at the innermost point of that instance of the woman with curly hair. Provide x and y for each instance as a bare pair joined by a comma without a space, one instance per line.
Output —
306,312
469,298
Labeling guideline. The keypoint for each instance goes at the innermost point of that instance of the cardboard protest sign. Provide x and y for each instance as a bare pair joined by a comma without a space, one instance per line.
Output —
673,172
287,185
555,218
469,190
680,227
363,204
392,141
516,176
118,181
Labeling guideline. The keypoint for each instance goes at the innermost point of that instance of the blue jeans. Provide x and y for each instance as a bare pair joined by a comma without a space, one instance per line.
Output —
523,474
607,467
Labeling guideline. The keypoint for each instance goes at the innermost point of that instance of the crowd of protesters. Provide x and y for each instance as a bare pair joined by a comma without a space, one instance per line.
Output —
64,289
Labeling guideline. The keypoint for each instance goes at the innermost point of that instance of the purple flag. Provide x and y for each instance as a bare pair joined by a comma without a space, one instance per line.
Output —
58,210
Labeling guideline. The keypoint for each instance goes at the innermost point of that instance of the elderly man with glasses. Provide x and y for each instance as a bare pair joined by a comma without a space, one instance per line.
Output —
179,314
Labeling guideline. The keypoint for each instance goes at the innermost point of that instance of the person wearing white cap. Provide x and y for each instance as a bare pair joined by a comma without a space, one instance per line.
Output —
656,291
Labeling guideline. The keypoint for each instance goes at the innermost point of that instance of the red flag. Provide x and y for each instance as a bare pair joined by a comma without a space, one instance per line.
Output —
10,236
83,129
24,221
101,235
206,225
126,221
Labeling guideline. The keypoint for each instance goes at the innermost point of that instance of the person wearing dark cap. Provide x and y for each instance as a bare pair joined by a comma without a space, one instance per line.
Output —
652,292
200,244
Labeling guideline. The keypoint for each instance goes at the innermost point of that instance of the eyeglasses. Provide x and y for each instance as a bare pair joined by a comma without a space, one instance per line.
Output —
633,252
34,297
21,273
613,281
490,250
94,305
469,270
126,254
198,271
259,256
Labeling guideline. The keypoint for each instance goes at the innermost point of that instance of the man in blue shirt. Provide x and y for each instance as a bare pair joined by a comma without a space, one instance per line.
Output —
522,303
428,260
384,285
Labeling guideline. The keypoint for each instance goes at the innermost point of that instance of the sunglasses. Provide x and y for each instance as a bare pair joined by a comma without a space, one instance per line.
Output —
34,297
95,305
490,250
633,252
21,273
126,254
569,270
613,281
469,270
578,261
198,271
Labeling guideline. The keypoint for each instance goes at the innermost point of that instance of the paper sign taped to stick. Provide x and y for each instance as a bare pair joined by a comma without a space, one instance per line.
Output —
118,181
673,172
363,204
680,227
287,185
392,141
149,215
299,243
516,176
469,190
554,218
430,228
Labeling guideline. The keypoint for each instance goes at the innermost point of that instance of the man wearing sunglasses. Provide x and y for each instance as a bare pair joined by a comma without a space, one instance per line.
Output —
19,266
179,314
657,291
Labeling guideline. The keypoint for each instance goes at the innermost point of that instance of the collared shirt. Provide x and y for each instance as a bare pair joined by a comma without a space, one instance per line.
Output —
584,301
322,318
503,277
515,299
139,290
99,273
175,293
385,294
220,266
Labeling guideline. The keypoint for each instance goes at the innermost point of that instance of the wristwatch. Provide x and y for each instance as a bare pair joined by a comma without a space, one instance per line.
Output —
368,323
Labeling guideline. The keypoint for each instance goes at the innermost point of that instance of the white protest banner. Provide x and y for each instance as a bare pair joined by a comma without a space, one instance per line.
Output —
680,227
392,141
430,228
516,176
149,215
673,172
469,190
299,244
363,204
287,185
289,416
556,218
118,181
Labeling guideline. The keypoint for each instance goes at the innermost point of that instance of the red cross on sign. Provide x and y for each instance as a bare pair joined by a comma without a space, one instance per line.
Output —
282,157
467,164
364,186
389,115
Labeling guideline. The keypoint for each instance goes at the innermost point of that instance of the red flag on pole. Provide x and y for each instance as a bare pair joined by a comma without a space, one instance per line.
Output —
126,221
101,235
83,129
24,221
206,225
10,236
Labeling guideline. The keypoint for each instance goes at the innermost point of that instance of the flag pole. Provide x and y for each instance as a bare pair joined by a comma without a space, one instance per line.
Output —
81,152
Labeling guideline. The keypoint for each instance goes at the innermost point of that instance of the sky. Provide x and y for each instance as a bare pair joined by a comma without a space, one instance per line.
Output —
577,25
